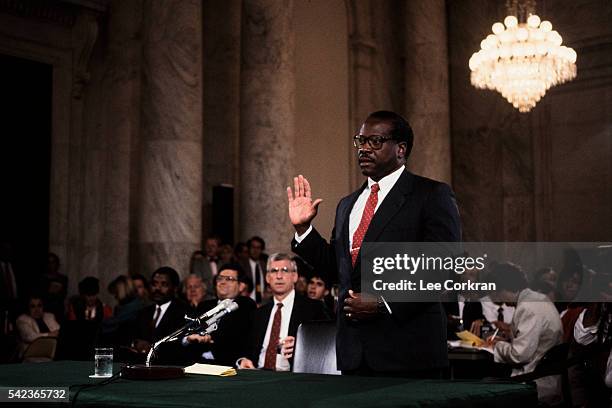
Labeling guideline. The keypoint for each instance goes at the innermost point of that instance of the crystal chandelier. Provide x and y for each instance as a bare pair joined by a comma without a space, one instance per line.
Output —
522,60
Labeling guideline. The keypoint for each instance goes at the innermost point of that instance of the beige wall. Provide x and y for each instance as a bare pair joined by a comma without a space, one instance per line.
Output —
322,121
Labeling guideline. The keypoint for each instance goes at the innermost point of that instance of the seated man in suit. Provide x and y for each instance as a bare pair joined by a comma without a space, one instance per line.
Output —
275,324
163,317
230,340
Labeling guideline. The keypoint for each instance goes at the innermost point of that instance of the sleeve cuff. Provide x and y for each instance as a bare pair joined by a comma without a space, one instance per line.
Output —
300,238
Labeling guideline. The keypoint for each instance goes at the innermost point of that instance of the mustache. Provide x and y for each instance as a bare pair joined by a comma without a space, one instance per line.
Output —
363,154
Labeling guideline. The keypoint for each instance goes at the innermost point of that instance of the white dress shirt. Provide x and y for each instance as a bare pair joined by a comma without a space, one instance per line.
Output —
386,184
489,310
282,364
253,264
163,308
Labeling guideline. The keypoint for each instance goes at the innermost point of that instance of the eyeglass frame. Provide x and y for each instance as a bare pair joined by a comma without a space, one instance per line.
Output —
357,141
227,278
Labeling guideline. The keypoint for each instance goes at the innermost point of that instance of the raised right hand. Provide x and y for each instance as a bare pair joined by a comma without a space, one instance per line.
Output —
301,207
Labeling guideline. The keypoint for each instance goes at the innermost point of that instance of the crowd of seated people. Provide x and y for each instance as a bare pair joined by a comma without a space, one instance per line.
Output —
528,317
147,309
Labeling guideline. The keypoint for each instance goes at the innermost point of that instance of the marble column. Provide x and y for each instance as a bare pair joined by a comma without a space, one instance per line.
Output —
426,87
221,81
267,122
169,190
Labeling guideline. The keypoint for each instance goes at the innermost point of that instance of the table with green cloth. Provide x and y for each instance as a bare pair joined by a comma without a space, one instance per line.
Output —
253,388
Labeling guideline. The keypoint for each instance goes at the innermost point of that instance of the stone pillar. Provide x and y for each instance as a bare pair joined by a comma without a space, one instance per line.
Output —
169,192
221,50
426,84
267,120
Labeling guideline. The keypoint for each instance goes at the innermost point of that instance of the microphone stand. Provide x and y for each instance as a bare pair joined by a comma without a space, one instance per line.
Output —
149,372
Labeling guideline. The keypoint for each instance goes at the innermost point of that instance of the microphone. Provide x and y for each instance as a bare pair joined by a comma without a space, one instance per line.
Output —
222,305
231,306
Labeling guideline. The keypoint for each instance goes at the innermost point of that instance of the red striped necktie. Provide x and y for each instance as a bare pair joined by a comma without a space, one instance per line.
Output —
366,218
270,359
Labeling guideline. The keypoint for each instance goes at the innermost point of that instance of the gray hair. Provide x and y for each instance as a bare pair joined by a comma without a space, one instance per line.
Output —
282,256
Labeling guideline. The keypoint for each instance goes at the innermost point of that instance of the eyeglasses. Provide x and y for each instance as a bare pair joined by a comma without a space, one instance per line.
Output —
226,278
284,269
375,142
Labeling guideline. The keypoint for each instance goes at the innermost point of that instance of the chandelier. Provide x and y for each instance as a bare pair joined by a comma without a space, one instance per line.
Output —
522,60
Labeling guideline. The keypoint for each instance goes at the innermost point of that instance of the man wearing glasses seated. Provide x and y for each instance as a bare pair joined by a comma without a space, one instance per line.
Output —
230,340
275,324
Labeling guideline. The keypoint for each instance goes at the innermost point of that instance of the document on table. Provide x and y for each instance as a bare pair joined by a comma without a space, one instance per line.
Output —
470,340
210,369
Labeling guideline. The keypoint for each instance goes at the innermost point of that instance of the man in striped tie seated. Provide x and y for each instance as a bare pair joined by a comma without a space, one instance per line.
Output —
274,325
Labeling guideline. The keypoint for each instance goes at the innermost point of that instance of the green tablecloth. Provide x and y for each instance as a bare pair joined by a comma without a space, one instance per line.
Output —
252,389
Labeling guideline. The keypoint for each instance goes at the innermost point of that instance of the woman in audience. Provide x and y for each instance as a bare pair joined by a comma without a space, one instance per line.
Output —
141,286
35,323
119,329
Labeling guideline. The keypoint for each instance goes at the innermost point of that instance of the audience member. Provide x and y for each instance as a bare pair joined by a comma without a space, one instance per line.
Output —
301,286
119,330
275,324
491,312
466,309
568,285
87,306
142,286
161,318
593,329
246,284
535,328
545,275
206,264
55,285
241,251
195,291
255,267
35,323
230,340
318,289
226,254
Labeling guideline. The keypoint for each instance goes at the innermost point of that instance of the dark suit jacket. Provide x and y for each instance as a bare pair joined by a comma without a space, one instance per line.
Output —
231,339
304,310
413,337
173,319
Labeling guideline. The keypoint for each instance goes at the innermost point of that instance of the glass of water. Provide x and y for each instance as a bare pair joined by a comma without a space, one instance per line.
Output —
103,362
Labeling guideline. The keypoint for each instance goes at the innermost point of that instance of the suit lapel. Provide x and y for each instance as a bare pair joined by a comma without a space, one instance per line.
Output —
343,215
390,206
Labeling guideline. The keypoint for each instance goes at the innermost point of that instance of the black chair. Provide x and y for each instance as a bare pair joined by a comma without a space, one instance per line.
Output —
41,350
554,362
315,348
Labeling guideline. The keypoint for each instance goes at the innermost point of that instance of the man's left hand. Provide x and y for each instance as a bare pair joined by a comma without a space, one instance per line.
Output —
358,306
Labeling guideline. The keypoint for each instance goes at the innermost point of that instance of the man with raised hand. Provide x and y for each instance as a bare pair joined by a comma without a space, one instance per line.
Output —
393,205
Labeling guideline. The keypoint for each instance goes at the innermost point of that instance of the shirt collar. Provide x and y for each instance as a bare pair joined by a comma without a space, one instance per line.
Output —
287,300
165,305
386,183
